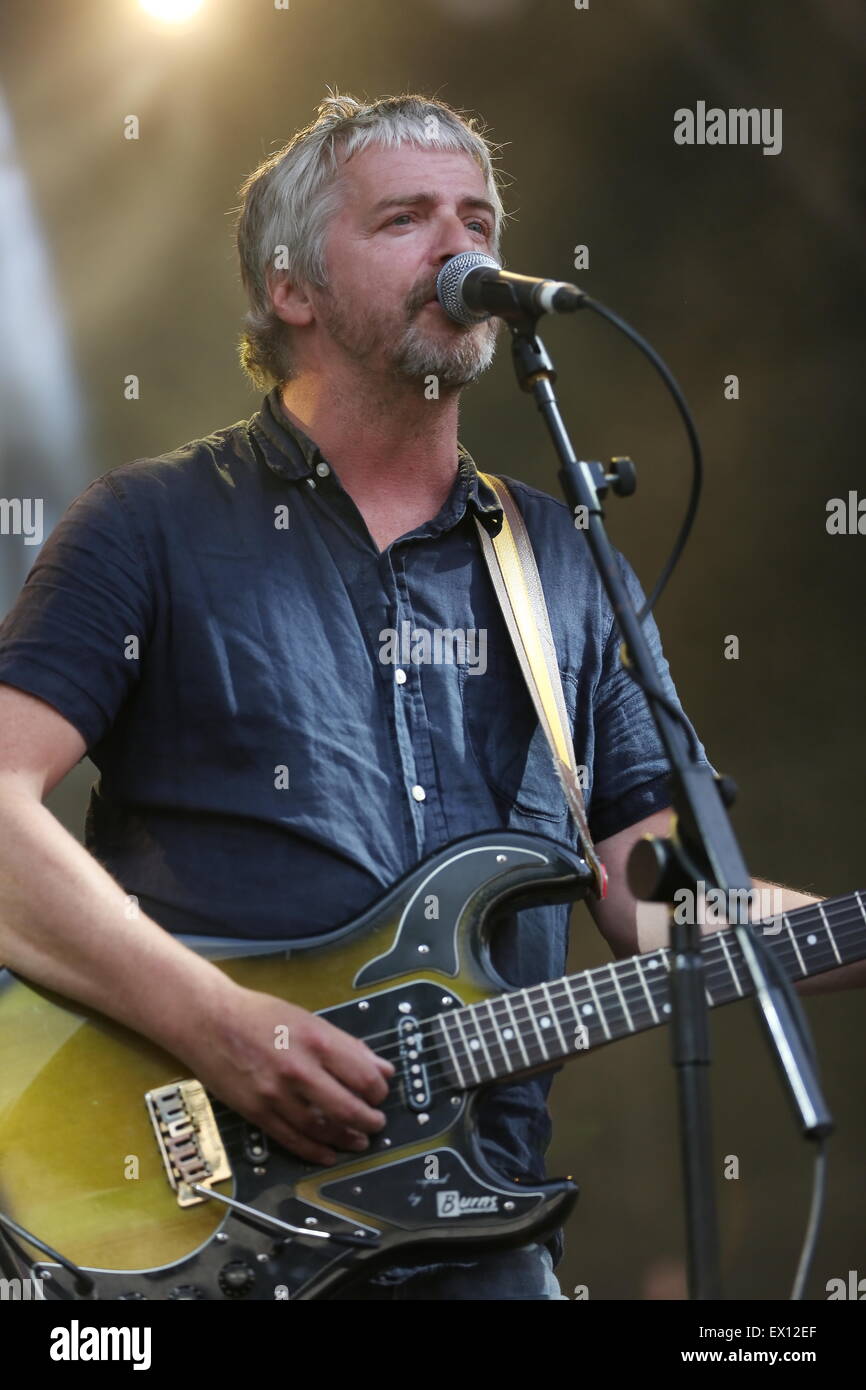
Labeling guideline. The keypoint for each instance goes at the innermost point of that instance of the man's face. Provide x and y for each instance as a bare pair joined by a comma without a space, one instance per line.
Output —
404,213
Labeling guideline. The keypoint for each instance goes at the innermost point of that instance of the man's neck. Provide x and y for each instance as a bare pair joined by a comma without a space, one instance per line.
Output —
380,437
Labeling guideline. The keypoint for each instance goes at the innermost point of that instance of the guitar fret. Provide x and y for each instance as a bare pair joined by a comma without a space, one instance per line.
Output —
530,1004
466,1048
625,1008
666,1006
472,1013
829,933
533,1020
516,1029
646,991
444,1020
811,944
706,949
553,1014
625,969
510,1040
599,1010
488,1004
569,994
586,1014
794,942
580,1027
622,998
722,939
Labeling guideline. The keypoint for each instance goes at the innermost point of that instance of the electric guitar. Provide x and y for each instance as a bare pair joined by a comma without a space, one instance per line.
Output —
118,1161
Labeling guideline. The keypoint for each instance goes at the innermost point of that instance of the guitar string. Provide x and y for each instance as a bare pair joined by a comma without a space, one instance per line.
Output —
563,1008
713,948
524,1013
533,1047
714,954
605,988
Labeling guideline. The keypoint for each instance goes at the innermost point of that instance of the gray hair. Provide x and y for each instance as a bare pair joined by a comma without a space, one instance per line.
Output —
287,202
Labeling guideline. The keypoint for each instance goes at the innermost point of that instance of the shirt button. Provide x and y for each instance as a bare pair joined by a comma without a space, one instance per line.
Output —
322,469
400,677
419,793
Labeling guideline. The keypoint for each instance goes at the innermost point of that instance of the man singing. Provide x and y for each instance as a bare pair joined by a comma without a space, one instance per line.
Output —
209,627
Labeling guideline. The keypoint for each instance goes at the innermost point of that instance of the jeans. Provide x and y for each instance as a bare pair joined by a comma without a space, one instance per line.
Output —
524,1273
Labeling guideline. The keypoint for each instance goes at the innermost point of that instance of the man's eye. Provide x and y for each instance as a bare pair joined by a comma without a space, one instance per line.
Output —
474,222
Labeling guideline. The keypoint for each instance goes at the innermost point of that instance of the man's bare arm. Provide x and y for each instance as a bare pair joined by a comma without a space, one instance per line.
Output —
66,924
630,926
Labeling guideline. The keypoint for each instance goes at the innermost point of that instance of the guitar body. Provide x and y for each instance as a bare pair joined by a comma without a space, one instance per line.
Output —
102,1174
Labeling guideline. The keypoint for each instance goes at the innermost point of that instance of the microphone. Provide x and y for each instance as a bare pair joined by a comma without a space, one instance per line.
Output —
472,287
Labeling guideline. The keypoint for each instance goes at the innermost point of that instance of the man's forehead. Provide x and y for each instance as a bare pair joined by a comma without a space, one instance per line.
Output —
377,172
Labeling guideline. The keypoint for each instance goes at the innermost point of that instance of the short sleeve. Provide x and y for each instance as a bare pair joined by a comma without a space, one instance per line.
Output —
68,637
630,766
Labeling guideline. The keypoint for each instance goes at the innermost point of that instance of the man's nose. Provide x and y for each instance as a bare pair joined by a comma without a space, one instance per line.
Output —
454,237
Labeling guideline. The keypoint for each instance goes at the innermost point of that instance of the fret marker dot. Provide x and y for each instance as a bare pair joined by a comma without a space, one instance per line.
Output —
666,1008
653,964
587,1009
507,1033
474,1044
811,938
545,1022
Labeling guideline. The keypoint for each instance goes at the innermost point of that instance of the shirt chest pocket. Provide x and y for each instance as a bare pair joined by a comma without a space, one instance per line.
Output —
506,742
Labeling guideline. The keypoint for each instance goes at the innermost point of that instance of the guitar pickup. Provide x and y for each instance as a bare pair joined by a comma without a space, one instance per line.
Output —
416,1084
189,1139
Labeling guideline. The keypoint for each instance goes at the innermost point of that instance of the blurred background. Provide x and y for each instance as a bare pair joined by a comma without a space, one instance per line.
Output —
116,258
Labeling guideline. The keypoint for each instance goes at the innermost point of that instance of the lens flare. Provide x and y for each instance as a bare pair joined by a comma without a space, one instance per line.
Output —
171,11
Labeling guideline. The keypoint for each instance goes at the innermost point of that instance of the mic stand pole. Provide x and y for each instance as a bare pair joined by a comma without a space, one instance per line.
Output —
705,849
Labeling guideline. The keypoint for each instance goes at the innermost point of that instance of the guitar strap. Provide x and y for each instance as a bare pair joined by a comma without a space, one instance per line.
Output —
514,572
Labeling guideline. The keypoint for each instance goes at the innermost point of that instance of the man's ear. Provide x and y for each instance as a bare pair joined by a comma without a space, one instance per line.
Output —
291,302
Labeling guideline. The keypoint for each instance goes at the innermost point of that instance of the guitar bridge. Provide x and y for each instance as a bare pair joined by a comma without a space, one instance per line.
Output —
189,1139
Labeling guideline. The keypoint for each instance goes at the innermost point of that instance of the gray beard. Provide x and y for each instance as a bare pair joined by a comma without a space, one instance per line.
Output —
455,363
414,355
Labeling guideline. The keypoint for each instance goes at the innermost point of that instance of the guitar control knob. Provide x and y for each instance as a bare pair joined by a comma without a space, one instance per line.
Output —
236,1279
187,1291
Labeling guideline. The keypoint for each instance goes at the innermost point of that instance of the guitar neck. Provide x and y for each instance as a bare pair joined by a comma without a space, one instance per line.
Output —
530,1029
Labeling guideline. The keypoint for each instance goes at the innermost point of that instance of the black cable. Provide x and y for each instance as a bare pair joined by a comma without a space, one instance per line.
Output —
819,1193
652,691
655,692
697,458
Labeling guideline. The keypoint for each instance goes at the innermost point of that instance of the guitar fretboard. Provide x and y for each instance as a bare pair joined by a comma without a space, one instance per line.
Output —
531,1028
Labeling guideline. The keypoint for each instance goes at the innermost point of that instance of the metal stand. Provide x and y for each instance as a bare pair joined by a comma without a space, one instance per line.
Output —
704,849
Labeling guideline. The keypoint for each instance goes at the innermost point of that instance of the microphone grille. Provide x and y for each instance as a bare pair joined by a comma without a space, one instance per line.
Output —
449,285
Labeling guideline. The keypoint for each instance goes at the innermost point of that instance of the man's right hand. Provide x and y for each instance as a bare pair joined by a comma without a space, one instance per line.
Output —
307,1084
65,924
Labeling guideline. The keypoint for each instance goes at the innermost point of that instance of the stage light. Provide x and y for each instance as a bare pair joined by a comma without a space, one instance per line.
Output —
172,11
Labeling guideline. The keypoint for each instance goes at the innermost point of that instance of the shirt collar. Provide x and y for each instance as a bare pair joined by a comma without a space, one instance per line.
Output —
293,454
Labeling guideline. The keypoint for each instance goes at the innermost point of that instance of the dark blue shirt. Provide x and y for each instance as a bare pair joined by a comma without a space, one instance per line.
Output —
275,745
